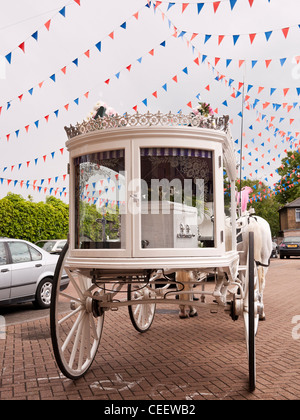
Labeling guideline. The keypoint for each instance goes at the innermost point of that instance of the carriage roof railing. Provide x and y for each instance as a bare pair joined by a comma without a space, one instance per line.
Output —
148,120
162,120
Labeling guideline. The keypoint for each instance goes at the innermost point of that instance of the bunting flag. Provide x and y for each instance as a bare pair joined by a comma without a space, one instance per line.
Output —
75,62
35,35
36,123
61,191
36,160
199,6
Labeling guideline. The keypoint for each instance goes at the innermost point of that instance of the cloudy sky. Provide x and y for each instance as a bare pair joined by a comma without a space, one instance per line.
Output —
59,57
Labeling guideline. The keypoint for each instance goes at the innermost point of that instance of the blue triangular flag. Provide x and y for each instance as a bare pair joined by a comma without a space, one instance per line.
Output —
145,102
8,57
207,37
98,46
75,62
35,35
235,38
123,25
232,3
52,77
268,34
63,11
170,5
200,7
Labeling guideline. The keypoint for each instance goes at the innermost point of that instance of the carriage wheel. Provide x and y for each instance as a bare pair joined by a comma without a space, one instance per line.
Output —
141,314
76,326
250,317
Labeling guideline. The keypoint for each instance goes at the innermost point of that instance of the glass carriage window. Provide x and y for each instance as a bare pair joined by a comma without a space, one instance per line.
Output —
99,199
177,193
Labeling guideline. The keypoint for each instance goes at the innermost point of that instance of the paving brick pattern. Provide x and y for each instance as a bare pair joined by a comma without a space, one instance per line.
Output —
201,358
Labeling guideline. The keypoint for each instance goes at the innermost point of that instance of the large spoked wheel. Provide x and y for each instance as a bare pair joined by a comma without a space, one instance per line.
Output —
251,318
141,314
75,322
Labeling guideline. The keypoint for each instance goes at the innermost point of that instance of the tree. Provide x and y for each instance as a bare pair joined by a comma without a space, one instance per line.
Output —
265,206
288,188
23,219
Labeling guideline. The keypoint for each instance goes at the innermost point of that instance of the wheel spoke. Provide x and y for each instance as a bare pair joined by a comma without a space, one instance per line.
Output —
75,330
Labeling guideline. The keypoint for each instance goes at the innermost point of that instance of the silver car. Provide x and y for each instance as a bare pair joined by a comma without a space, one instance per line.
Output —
26,273
54,246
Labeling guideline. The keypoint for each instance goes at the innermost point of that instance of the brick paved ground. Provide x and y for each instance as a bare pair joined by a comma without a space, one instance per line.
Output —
203,358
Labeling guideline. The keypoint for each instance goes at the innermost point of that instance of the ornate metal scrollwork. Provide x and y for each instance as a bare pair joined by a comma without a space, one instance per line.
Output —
147,120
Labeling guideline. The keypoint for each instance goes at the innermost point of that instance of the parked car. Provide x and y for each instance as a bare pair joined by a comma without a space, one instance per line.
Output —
26,273
275,250
54,246
290,247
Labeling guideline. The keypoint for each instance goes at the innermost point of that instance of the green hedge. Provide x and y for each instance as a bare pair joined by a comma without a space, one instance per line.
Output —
23,219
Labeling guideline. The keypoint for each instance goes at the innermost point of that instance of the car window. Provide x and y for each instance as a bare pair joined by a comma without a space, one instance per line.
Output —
3,257
35,254
19,252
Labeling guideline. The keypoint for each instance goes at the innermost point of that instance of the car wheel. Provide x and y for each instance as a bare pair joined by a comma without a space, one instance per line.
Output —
43,294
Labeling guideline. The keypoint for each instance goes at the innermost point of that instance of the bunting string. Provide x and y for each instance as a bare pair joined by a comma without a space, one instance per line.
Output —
74,63
39,188
36,160
35,35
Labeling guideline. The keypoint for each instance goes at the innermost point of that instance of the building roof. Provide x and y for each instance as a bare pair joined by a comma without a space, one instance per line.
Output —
295,203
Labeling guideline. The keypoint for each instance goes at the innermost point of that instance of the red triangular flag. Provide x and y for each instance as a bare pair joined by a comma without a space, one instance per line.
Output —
151,52
221,37
7,137
64,69
207,87
252,37
86,94
190,104
217,59
268,62
285,32
155,94
175,78
22,46
107,81
136,15
87,53
47,24
78,2
129,67
285,91
197,61
67,107
251,2
184,6
135,108
27,128
47,118
41,84
44,157
20,97
194,36
112,35
216,4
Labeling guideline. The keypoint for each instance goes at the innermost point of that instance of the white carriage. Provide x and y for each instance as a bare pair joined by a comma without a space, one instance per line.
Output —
147,201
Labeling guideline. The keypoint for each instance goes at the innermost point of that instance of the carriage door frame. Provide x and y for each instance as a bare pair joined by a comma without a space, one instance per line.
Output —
176,141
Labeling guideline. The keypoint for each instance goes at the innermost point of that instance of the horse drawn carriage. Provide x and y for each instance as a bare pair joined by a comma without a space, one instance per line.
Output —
147,212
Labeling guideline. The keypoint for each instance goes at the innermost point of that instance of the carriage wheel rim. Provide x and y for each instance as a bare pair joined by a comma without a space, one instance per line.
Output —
141,314
75,333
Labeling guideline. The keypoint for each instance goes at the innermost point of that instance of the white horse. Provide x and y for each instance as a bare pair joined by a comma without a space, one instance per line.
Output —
262,248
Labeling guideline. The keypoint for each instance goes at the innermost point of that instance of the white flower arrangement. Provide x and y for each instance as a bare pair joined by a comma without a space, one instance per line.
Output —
107,111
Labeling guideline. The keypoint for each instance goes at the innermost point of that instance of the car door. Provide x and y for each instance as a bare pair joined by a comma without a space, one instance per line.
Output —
5,273
25,270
